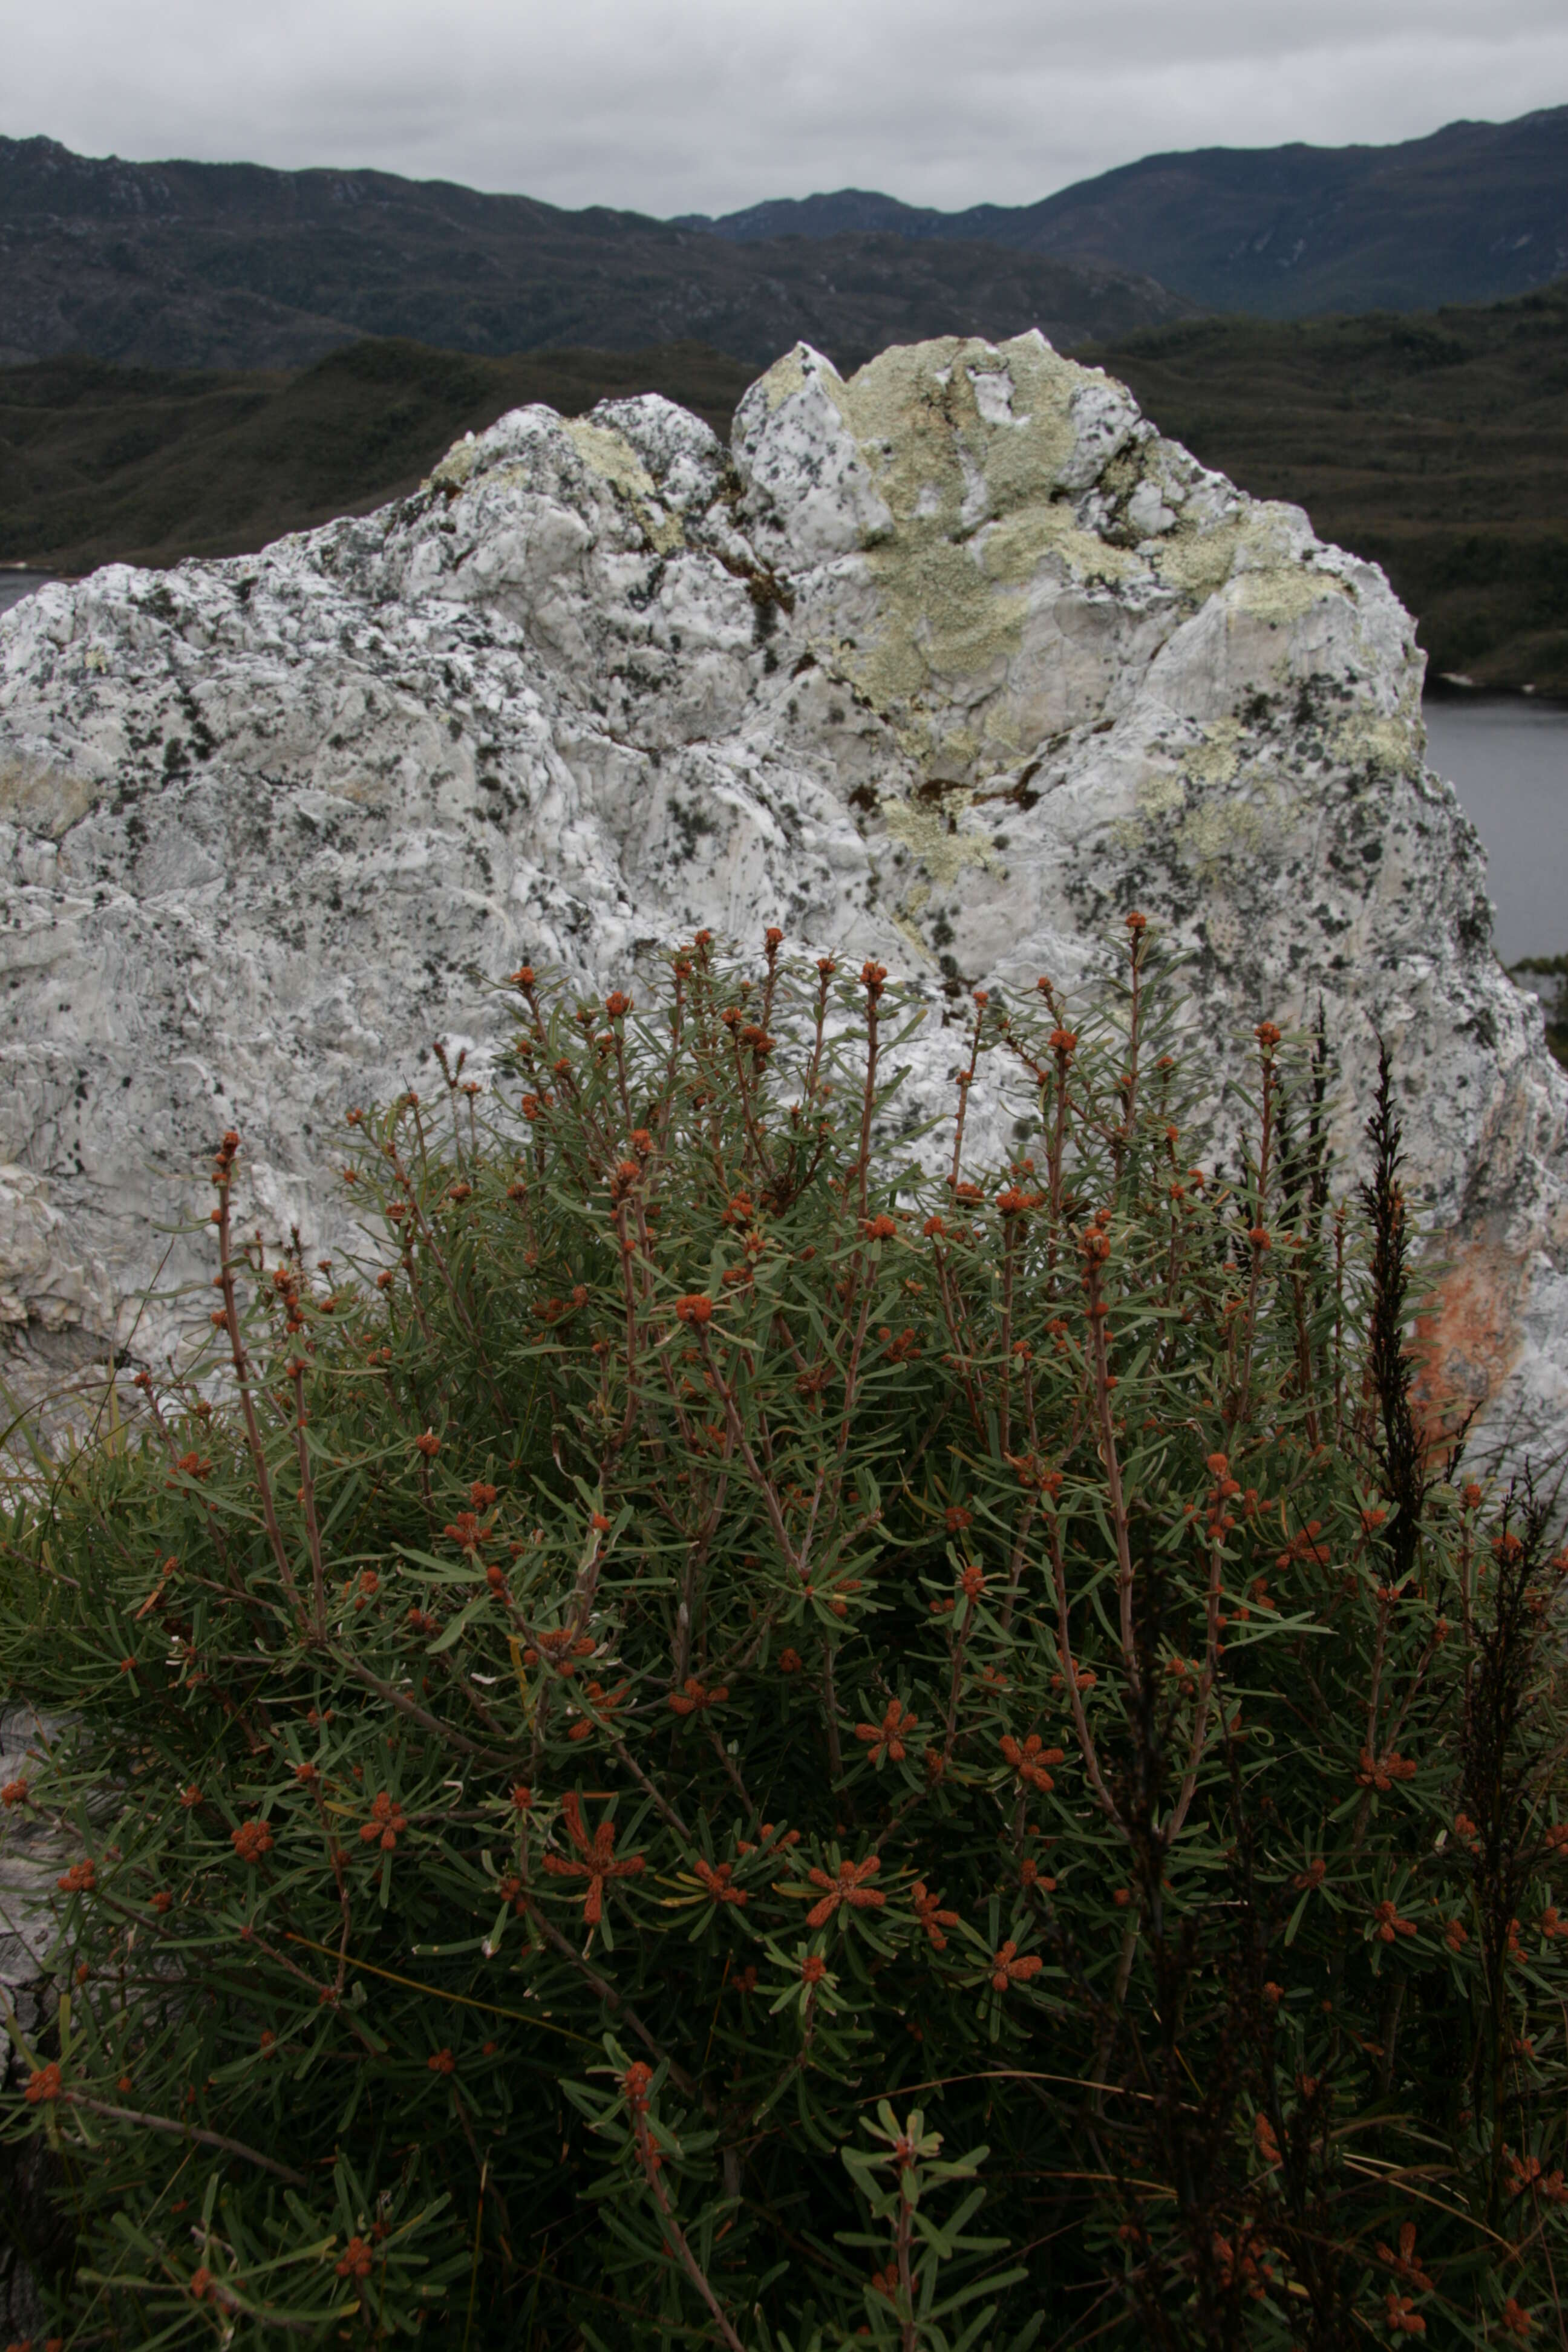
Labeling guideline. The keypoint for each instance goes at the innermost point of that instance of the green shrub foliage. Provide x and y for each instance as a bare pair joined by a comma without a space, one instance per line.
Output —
730,1742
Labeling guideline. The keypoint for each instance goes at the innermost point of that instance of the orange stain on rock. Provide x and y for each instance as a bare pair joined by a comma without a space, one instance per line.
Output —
1468,1339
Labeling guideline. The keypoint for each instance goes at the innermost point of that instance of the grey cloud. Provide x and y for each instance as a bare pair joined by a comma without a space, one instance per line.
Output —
677,105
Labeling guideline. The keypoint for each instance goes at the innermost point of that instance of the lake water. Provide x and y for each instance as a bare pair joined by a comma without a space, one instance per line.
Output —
15,586
1507,760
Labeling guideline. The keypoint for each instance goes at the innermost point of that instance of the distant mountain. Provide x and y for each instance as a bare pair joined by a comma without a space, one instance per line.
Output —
1475,213
232,266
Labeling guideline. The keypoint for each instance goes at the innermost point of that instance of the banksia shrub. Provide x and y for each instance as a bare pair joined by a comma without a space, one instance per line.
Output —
742,1732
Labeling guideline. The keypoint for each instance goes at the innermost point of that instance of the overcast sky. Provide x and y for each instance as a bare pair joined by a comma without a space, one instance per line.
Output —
705,105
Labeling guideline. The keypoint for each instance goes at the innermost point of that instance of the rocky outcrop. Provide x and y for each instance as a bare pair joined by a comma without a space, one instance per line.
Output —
947,662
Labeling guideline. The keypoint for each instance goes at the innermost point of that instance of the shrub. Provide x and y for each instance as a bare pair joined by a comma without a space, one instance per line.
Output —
727,1741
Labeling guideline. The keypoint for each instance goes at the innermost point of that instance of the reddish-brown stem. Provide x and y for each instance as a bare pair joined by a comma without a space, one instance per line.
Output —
1119,1994
177,2130
732,1773
830,1712
648,2158
1059,1133
335,1856
963,1345
1260,1244
909,2339
771,981
869,1100
737,1431
965,1080
307,1499
246,1404
1069,1674
1338,1324
1016,1566
1114,1496
814,1068
1130,1083
1304,1352
754,1136
660,1803
406,1705
628,1288
612,1999
428,1242
1006,1397
954,1685
1174,1826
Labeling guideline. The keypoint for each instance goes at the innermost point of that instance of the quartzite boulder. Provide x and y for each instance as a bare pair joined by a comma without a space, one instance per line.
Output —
949,663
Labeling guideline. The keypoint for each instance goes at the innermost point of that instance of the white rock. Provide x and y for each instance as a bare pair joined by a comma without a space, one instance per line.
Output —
40,1282
951,663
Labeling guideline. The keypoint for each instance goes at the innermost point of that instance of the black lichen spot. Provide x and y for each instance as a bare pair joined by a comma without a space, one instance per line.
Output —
691,823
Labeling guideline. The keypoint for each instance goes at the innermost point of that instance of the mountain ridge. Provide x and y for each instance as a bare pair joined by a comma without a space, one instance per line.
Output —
1472,212
183,264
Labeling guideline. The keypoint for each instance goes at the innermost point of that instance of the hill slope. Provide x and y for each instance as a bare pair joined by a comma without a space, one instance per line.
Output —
1475,212
101,464
231,266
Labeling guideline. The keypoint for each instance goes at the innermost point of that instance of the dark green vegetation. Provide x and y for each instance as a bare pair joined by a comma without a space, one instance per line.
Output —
1437,446
99,463
709,1659
208,265
1476,211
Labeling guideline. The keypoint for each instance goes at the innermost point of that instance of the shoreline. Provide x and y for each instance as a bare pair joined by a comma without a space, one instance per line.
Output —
1463,695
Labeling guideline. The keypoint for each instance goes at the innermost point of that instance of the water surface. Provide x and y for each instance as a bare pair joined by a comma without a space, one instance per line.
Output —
15,586
1508,761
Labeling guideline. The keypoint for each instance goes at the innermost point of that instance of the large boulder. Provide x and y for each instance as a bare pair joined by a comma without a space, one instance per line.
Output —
947,662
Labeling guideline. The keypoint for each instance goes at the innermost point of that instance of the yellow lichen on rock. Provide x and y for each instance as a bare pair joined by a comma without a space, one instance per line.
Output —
1161,793
1392,745
1014,549
1224,828
1255,556
964,441
45,797
614,459
942,855
785,376
1215,760
456,468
